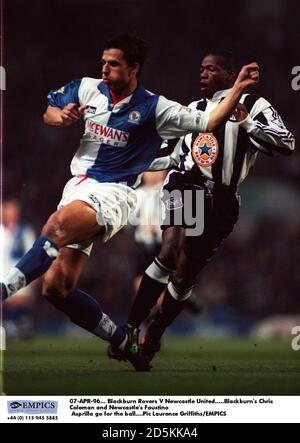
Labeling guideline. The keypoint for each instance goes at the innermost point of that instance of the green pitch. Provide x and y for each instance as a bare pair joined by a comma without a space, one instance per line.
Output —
58,366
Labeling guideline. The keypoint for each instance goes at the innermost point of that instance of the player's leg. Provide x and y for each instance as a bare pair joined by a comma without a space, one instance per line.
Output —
60,289
196,254
153,283
74,222
175,300
156,277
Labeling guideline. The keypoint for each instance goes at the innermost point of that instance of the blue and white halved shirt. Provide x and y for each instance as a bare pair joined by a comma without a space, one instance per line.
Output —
121,141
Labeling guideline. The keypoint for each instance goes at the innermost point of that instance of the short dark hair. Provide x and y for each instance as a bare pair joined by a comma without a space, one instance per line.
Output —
134,48
228,61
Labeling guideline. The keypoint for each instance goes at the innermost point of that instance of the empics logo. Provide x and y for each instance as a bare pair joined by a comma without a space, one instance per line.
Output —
32,407
296,79
296,339
15,405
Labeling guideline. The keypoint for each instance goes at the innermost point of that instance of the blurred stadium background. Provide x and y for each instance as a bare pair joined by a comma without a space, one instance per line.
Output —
252,285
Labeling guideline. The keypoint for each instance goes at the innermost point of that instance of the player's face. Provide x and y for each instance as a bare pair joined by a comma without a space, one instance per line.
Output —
213,76
117,74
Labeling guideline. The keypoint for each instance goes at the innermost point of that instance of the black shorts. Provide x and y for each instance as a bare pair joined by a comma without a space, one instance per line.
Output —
220,214
183,201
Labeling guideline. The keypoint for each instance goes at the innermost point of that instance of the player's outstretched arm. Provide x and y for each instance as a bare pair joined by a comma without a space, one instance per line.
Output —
248,76
67,116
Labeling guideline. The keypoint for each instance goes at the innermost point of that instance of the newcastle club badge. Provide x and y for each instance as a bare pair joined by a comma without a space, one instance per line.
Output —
205,150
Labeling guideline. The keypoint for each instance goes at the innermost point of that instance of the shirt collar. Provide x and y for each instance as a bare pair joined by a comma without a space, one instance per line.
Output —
137,97
116,99
219,94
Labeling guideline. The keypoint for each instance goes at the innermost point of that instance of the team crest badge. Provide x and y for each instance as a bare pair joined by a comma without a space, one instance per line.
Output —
134,117
205,150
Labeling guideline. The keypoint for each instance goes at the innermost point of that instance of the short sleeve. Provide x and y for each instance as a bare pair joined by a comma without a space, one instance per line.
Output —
65,95
174,120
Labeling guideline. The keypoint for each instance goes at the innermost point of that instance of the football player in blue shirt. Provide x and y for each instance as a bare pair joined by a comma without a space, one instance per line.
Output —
124,128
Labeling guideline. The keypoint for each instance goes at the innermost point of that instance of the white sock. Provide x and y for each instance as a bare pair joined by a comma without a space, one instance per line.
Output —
106,328
181,295
157,271
14,281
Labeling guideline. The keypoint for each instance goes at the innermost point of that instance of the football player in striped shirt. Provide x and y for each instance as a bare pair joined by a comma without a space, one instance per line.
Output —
124,128
215,163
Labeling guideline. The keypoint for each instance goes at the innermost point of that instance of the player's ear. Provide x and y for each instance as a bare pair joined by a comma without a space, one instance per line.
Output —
134,68
231,76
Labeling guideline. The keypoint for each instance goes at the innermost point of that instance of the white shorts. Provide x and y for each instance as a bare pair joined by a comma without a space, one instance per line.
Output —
114,203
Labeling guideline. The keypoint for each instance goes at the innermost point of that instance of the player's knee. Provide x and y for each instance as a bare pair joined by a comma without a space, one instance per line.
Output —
183,281
55,230
169,253
58,287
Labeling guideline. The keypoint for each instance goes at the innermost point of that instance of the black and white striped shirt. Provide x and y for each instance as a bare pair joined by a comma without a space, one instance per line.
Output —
227,155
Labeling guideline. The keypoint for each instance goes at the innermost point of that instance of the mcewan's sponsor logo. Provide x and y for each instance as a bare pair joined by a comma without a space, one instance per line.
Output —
107,135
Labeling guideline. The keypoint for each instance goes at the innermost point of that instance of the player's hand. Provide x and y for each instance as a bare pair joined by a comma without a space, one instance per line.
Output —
248,76
240,112
71,113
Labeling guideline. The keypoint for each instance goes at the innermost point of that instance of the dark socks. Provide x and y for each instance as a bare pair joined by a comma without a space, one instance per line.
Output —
146,297
33,265
82,309
169,311
85,311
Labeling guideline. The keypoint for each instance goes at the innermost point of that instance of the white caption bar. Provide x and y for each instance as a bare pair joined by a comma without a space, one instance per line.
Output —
135,410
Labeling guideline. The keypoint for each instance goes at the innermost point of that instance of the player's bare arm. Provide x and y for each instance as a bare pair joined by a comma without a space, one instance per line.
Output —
67,116
248,76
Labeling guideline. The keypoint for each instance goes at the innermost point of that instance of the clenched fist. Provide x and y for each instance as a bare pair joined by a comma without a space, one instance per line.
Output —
248,76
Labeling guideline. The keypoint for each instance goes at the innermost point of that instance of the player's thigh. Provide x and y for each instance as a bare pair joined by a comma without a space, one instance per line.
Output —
172,241
219,224
72,223
64,272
